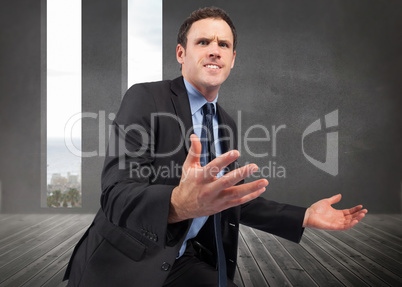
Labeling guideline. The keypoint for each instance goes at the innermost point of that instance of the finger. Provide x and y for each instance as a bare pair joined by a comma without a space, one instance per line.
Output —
335,199
359,215
240,191
233,177
222,161
356,219
193,156
353,209
246,198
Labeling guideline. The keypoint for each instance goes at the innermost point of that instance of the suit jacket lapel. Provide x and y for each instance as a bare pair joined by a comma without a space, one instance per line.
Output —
181,106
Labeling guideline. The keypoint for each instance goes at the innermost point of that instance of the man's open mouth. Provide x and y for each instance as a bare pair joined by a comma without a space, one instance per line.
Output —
212,66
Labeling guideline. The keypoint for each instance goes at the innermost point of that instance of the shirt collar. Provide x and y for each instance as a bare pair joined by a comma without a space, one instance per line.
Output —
196,99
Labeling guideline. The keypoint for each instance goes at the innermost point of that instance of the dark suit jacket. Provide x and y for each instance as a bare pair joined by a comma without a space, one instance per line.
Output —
130,242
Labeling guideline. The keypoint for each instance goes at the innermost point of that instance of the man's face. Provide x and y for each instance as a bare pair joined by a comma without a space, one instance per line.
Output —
209,56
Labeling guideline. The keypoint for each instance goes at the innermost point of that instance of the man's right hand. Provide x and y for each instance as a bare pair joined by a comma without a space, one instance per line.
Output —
201,193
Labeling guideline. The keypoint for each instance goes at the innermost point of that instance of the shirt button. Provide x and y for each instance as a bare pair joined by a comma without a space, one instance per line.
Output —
165,266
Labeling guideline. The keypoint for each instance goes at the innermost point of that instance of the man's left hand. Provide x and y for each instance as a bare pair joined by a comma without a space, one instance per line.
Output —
322,215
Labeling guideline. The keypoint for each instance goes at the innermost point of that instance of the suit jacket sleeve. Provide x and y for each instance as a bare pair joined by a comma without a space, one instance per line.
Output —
283,220
129,197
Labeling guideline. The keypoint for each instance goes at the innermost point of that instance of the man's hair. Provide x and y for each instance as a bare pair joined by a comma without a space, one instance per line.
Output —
204,13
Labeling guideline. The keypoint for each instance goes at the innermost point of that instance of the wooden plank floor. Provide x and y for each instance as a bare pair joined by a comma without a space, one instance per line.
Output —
35,249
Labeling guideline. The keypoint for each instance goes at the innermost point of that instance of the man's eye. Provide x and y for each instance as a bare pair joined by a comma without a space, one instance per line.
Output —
203,42
224,45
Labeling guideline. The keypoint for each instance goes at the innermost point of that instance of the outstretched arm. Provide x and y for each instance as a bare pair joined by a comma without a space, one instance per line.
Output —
322,215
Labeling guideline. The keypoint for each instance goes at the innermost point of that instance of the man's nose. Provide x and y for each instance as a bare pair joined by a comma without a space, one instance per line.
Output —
214,50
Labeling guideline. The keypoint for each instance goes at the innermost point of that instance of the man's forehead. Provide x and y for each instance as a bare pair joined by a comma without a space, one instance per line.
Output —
210,27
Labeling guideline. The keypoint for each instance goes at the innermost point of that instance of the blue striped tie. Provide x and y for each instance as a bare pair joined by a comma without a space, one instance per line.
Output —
208,154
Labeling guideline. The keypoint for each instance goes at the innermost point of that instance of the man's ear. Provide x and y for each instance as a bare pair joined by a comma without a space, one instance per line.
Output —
180,53
233,61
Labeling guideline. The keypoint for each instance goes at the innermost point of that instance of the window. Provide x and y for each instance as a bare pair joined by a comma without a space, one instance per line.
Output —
144,41
64,86
63,102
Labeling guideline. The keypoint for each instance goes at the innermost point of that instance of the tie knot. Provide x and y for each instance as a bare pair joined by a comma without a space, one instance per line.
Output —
208,109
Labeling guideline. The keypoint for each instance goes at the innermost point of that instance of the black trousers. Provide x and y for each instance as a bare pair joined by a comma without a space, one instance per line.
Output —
188,270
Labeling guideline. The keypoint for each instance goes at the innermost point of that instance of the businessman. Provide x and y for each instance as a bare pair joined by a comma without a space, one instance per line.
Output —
173,195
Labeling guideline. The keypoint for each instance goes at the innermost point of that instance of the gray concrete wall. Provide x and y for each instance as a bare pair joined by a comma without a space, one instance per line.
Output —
21,79
295,64
298,61
104,81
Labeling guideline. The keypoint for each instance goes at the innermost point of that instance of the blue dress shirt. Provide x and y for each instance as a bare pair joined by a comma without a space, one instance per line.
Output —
197,100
